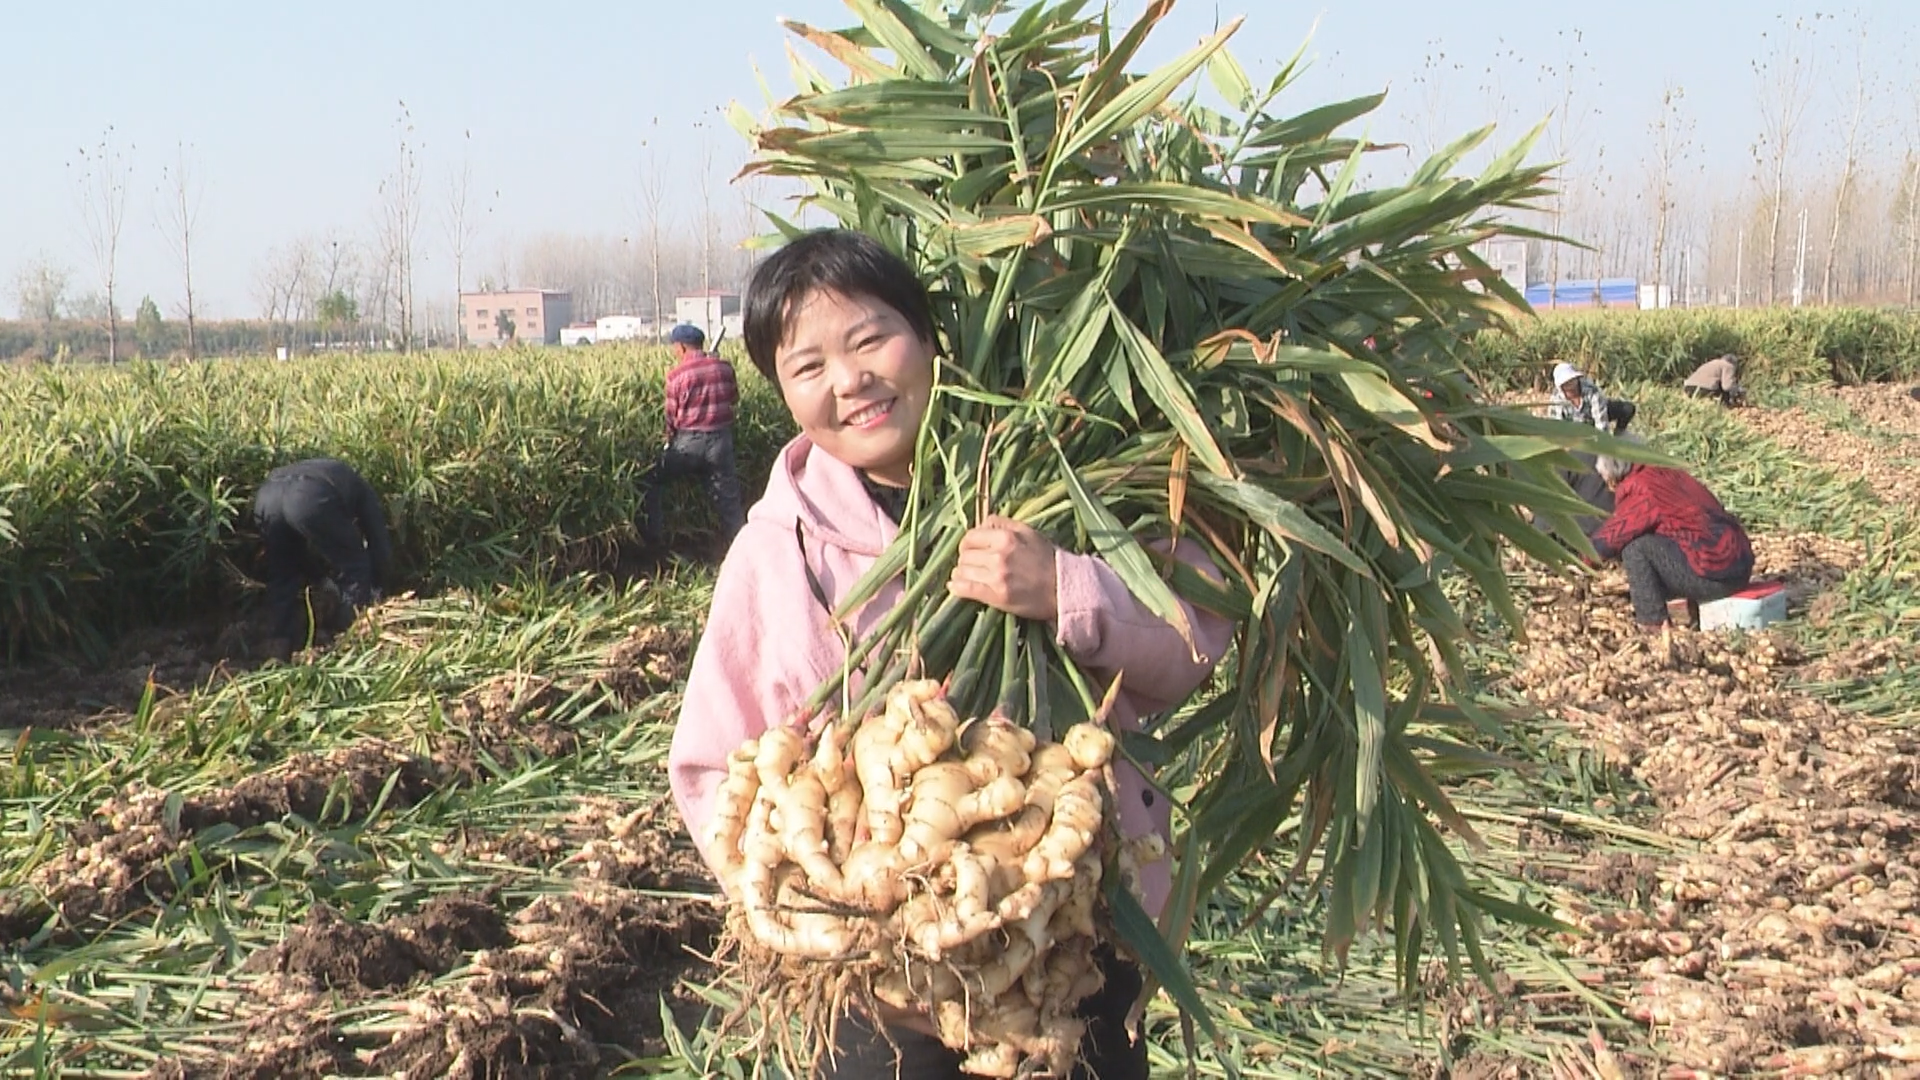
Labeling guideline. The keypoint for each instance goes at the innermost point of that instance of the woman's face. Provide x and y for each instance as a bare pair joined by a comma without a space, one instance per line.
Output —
857,379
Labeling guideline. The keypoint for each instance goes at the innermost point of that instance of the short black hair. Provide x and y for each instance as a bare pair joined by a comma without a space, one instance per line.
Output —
834,260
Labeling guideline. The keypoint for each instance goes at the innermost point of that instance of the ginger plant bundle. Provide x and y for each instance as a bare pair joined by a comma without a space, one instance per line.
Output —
1174,327
923,863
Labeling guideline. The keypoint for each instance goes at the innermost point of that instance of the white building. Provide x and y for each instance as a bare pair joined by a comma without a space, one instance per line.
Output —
624,328
611,328
712,312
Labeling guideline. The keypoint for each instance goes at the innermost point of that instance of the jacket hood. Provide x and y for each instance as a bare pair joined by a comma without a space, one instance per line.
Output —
825,496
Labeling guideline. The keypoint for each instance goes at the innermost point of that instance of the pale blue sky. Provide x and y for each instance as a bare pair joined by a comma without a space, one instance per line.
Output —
292,109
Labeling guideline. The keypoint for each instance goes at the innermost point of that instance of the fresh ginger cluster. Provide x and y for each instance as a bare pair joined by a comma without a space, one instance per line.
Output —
954,865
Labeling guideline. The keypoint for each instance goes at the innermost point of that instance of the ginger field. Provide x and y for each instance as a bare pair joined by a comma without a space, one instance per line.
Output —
441,846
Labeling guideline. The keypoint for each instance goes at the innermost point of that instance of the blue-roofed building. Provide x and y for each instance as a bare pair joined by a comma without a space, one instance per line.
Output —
1604,292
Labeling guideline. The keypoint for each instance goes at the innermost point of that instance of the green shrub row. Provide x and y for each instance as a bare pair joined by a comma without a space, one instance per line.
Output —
125,492
1779,346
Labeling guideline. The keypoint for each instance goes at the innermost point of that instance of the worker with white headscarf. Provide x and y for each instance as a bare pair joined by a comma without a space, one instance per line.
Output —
1579,399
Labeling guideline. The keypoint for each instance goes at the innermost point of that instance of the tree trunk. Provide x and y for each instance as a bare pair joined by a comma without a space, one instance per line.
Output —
113,327
1773,228
1840,199
653,257
186,251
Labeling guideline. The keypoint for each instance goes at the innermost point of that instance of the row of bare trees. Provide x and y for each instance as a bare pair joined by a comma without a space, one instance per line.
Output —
344,281
1827,216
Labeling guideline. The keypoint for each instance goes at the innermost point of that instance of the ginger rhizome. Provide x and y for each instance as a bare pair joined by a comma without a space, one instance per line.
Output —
919,862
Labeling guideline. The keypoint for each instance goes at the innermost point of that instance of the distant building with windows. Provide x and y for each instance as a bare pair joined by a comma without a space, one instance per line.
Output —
535,316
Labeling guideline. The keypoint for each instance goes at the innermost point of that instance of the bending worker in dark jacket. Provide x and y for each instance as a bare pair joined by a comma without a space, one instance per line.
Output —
1673,537
317,519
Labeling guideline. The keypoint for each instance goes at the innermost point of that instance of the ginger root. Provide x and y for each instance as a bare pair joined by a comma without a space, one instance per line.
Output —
955,866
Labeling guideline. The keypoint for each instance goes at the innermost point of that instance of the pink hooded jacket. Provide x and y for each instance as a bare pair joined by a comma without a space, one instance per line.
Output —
768,643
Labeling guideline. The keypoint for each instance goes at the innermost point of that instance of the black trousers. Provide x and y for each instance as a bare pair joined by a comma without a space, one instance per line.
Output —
704,454
1724,397
862,1052
1620,414
1657,571
310,534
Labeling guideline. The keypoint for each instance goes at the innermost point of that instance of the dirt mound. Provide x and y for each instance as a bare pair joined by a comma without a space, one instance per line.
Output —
648,660
129,855
1785,931
544,993
588,969
505,719
339,953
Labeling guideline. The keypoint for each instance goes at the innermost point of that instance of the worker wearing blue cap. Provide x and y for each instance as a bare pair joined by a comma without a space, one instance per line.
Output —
702,397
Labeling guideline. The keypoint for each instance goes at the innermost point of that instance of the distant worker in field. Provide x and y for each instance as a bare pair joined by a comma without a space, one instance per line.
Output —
702,397
320,520
1718,378
1578,398
1673,537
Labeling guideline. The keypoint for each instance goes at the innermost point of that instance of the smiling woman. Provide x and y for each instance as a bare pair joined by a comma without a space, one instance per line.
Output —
857,378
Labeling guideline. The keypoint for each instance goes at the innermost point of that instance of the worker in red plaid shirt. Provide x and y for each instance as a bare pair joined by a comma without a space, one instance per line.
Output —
1673,537
702,395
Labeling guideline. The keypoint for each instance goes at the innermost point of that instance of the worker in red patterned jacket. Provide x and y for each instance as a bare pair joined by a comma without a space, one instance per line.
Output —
1673,537
702,396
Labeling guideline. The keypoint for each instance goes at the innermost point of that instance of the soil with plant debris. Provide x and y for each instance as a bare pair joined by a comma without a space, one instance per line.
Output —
60,692
565,986
1888,406
131,854
1783,936
1889,467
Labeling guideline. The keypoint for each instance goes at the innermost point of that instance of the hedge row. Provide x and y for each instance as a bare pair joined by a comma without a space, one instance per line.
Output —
1778,345
124,492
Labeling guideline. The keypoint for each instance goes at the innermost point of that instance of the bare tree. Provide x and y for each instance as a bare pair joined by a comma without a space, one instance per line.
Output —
283,285
462,226
652,190
1435,80
400,224
1786,80
1909,201
40,289
1850,155
104,175
706,209
179,212
1672,141
1567,129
